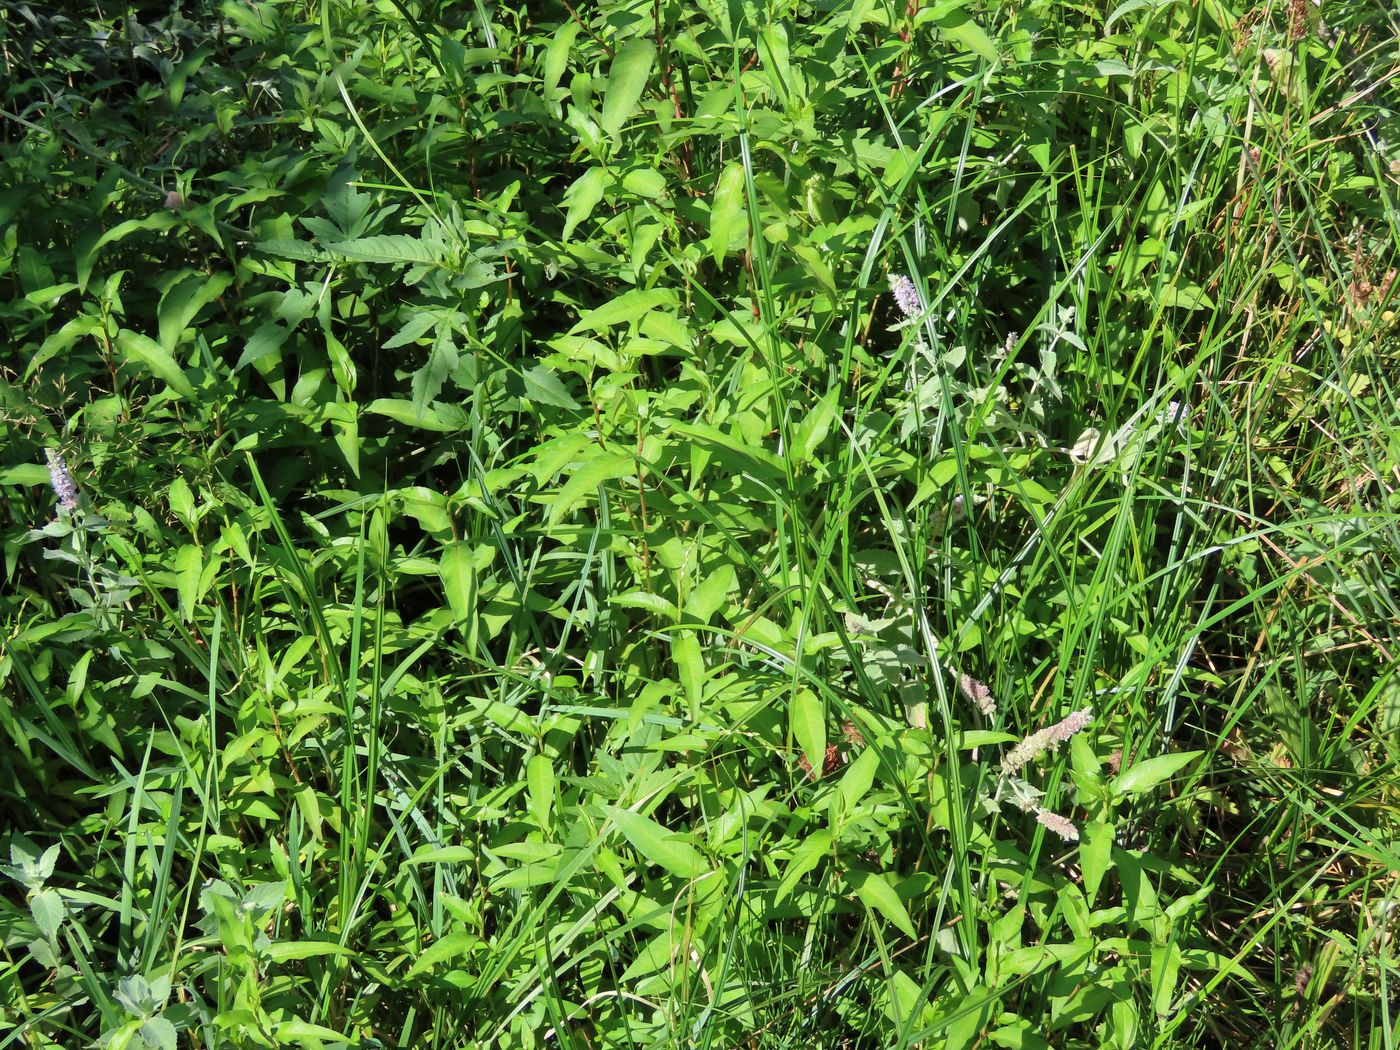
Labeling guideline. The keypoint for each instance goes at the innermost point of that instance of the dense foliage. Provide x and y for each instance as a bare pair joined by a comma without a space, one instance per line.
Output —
719,524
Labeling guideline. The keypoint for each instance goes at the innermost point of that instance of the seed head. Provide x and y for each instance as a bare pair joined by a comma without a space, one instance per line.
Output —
1061,826
977,693
1044,740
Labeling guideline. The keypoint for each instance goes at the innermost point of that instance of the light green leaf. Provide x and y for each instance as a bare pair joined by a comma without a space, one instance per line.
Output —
657,845
627,79
729,221
814,427
189,563
1142,777
807,719
878,894
154,358
709,594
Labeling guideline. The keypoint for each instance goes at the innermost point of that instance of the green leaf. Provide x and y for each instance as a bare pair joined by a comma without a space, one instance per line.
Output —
814,427
444,419
183,301
543,387
390,248
453,946
690,666
154,358
1095,852
263,343
729,221
556,57
957,25
626,308
710,593
807,856
584,482
189,563
856,781
1142,777
540,781
457,570
657,845
582,197
291,951
872,888
807,719
627,79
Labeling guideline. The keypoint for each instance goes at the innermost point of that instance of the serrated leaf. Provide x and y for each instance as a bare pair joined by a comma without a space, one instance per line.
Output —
154,358
1142,777
627,79
46,906
657,845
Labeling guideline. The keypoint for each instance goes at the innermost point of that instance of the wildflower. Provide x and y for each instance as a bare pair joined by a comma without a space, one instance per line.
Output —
62,482
1059,825
977,693
1044,740
906,296
853,736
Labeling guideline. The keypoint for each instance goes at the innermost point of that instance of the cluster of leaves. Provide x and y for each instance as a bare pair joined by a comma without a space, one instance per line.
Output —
524,560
